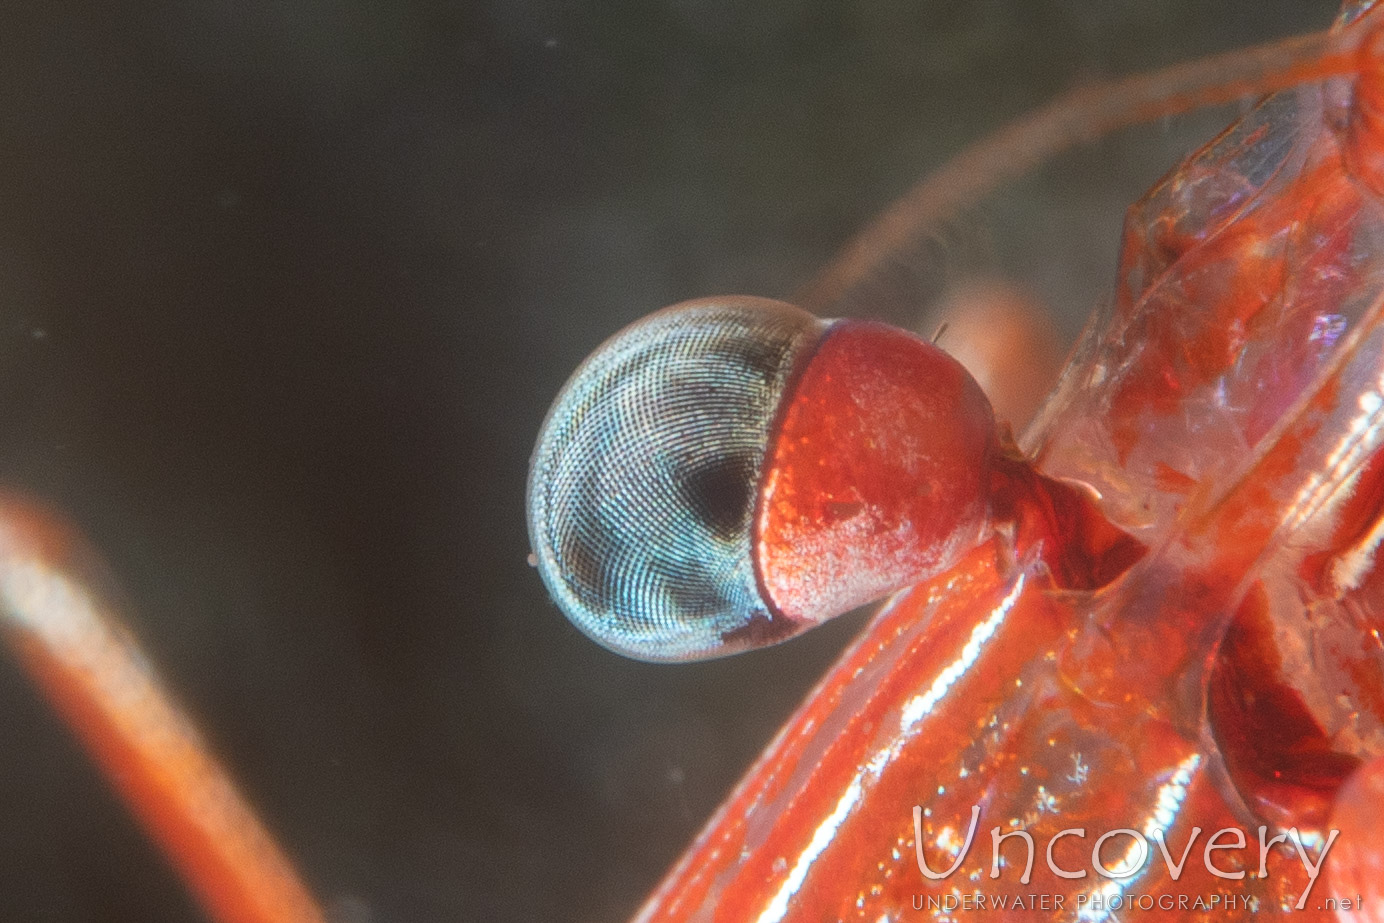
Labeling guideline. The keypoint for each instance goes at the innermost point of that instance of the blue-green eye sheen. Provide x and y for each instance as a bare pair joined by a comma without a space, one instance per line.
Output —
643,485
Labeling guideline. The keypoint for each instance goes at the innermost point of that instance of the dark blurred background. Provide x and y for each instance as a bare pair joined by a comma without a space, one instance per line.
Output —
285,289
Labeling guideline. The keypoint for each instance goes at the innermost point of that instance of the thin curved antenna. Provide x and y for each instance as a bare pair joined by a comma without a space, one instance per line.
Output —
890,245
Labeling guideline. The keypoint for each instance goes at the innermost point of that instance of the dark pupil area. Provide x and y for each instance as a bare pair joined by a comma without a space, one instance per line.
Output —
720,494
763,357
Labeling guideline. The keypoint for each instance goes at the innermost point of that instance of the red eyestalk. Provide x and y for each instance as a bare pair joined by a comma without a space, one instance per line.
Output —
878,472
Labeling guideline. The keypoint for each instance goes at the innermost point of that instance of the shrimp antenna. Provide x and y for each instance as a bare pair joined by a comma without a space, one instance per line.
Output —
60,618
888,247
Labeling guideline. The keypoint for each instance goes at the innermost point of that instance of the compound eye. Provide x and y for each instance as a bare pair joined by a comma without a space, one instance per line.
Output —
643,487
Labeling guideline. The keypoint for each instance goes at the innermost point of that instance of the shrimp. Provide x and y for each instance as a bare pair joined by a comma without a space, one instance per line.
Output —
1037,528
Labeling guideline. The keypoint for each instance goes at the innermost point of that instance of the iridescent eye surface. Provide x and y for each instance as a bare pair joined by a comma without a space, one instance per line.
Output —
643,488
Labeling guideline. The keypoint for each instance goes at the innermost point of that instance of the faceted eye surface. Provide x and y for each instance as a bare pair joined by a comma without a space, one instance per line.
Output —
644,483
